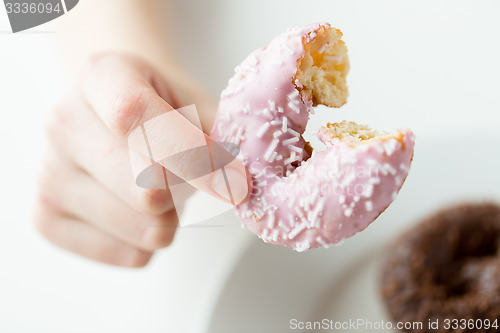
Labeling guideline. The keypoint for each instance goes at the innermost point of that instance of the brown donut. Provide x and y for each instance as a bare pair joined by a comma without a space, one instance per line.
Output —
447,267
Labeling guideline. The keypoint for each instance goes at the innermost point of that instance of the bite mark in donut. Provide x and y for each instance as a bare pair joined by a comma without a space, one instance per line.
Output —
304,198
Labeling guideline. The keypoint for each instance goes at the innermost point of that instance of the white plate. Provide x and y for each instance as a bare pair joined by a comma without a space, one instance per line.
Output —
271,285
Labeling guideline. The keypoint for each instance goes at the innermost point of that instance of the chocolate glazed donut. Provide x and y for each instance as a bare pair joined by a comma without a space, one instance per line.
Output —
447,267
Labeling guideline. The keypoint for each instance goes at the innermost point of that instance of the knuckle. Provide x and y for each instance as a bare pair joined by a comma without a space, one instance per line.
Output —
50,174
97,60
127,110
154,201
160,233
42,175
41,217
130,92
131,257
138,259
159,236
44,172
54,121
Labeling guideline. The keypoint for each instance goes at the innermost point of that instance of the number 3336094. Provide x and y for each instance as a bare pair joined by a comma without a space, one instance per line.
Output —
32,8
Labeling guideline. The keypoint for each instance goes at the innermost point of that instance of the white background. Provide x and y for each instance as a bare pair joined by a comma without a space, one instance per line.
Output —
429,65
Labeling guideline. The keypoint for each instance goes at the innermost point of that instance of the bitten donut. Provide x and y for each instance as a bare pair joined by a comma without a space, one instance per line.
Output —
447,267
302,198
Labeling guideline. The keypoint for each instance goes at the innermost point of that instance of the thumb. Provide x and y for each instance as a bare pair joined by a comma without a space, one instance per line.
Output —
189,155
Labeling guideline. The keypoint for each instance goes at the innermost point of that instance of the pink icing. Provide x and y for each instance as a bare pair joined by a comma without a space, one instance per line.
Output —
321,201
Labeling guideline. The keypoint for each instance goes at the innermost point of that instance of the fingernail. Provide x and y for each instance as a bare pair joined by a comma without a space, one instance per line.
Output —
230,184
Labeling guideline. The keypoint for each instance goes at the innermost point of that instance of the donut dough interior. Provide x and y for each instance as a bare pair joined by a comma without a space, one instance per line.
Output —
322,73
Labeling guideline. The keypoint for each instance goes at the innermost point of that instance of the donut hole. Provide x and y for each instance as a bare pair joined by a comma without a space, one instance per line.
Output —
477,243
456,268
323,69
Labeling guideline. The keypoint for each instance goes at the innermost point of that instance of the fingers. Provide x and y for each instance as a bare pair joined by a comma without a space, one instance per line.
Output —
119,90
77,193
85,240
76,132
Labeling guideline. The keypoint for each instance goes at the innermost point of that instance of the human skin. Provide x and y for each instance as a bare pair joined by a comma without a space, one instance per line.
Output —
88,201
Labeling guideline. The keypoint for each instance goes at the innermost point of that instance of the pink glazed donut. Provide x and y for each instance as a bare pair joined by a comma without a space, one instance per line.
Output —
302,198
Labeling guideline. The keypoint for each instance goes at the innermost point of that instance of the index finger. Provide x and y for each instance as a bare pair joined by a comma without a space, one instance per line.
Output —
121,93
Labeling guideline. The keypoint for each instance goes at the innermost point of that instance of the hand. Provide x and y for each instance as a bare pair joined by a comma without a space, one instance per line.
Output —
88,200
